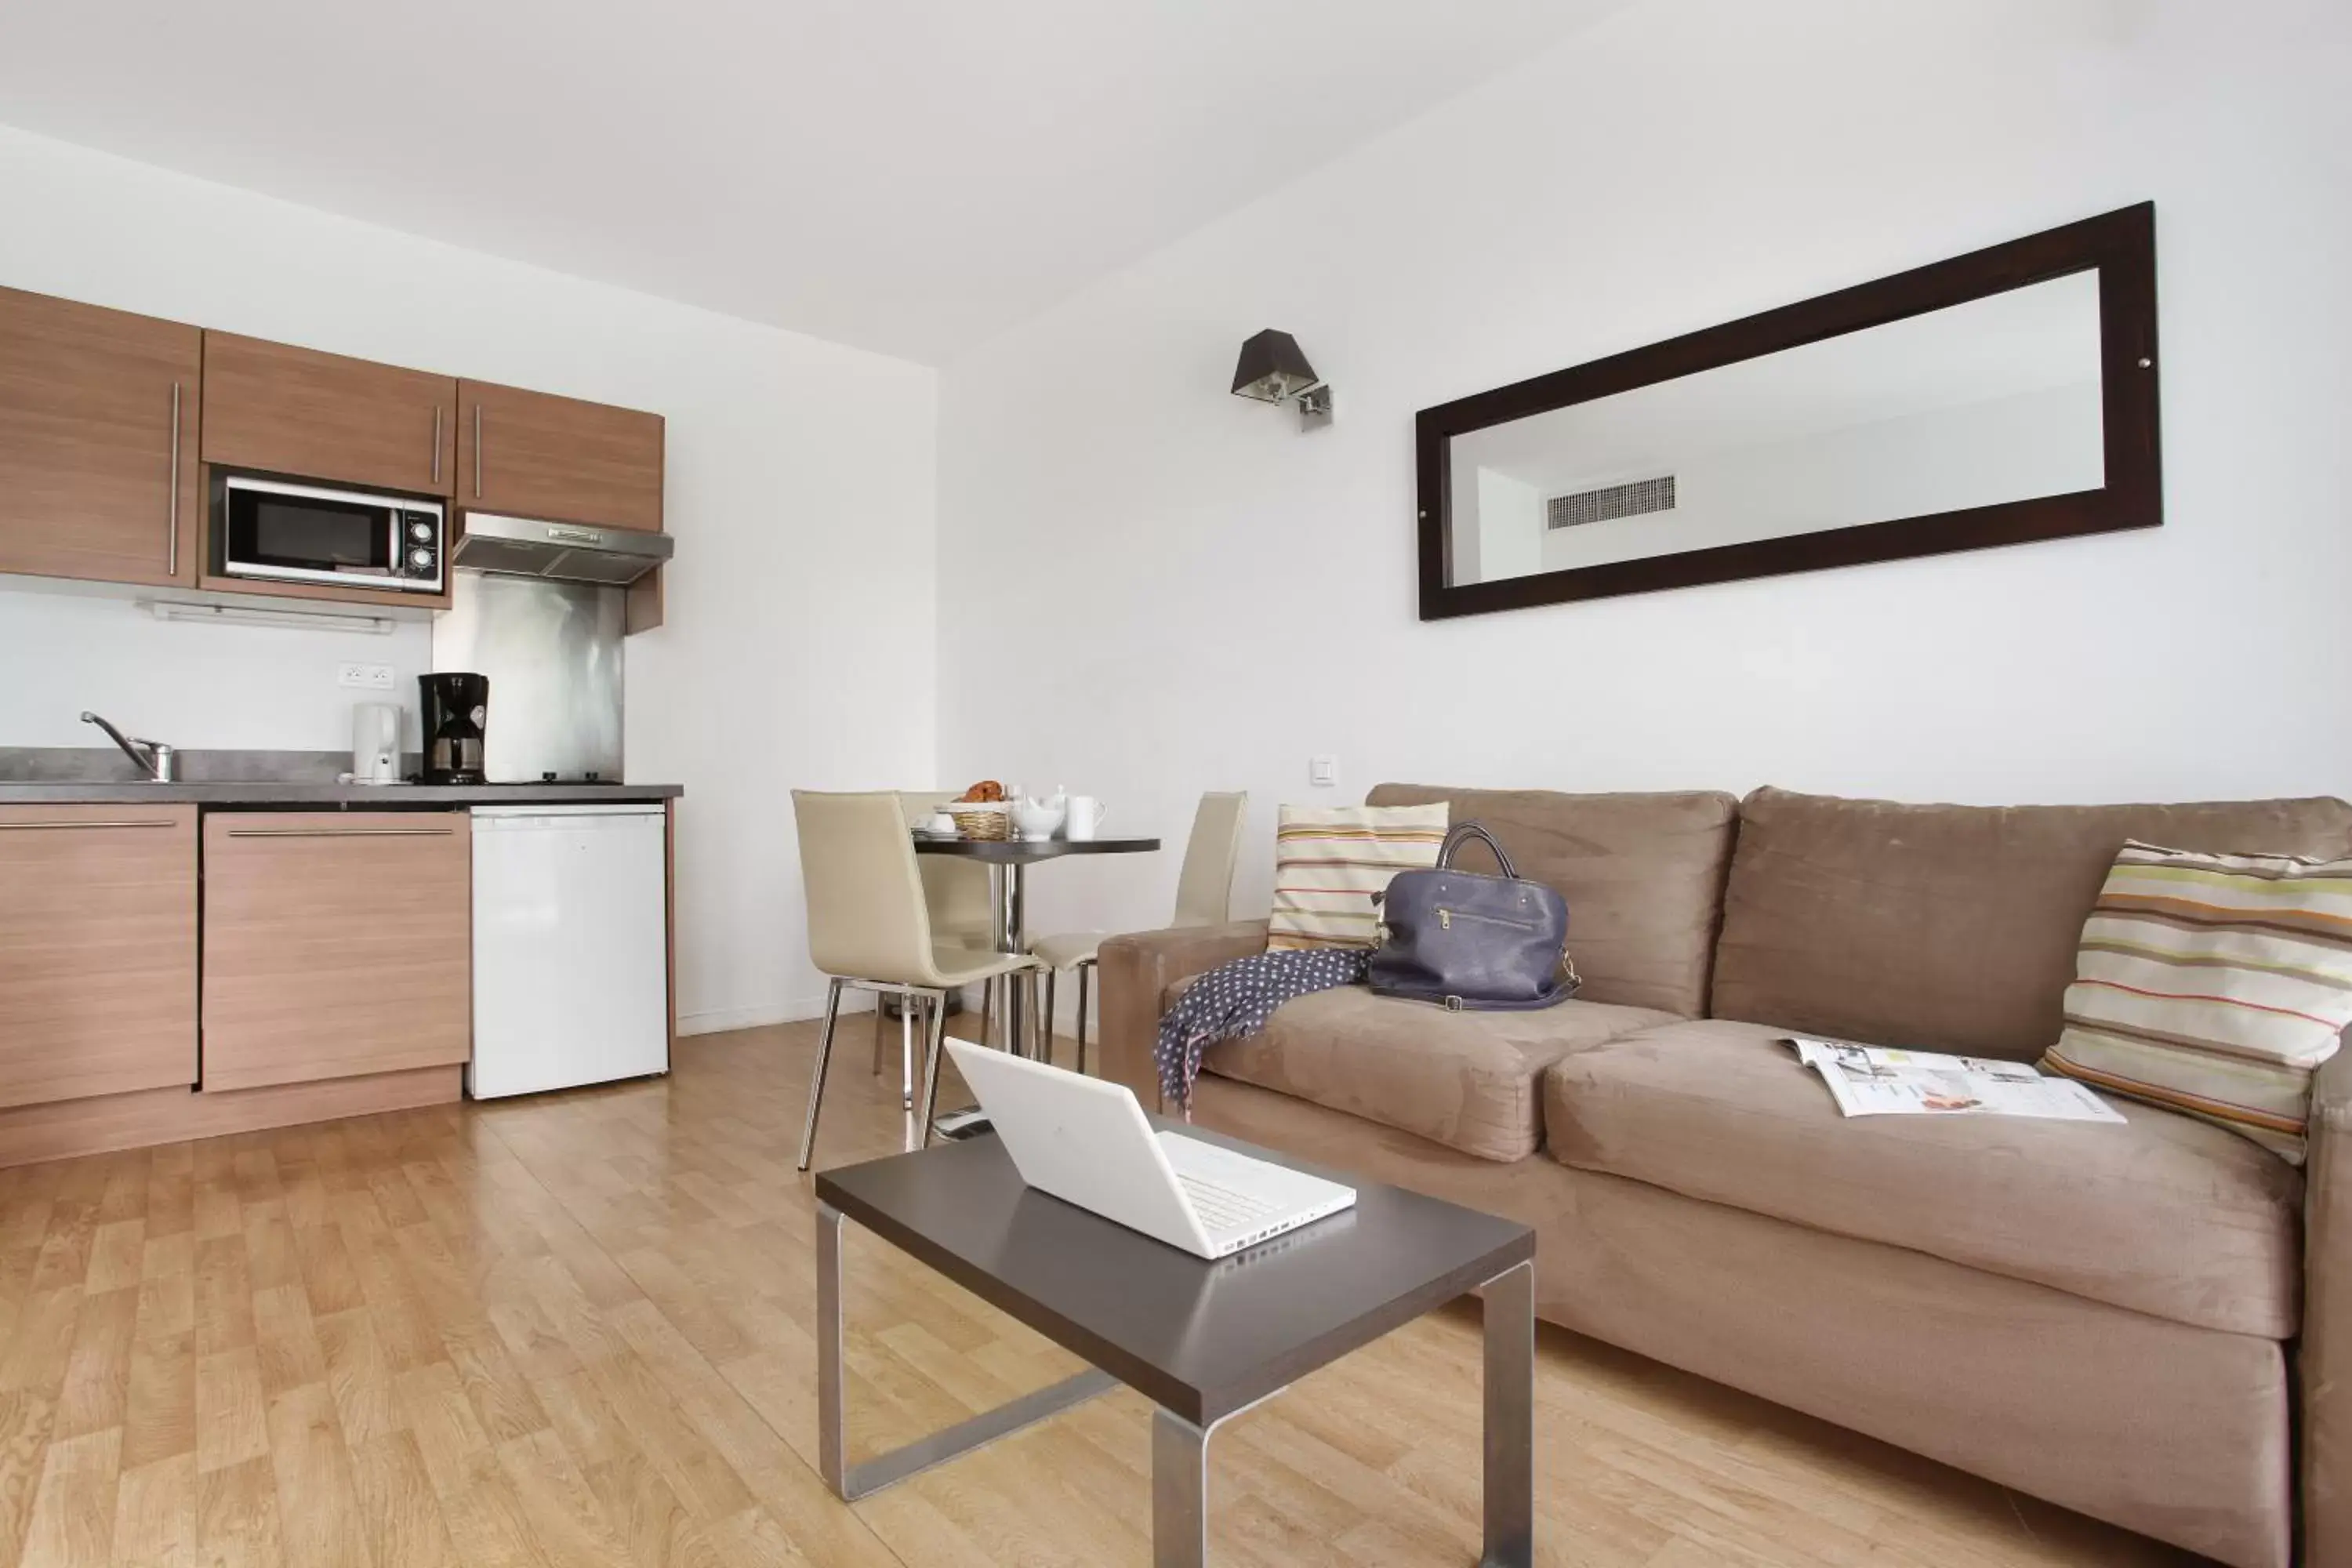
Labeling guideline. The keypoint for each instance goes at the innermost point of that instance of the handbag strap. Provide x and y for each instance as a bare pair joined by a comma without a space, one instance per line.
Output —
1463,833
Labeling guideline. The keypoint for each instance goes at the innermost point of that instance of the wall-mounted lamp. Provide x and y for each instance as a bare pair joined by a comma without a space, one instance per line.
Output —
1273,369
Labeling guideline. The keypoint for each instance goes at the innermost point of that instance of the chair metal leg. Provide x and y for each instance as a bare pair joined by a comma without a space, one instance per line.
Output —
816,1080
1046,1021
987,1013
1020,1041
1085,975
907,1009
879,1021
939,1029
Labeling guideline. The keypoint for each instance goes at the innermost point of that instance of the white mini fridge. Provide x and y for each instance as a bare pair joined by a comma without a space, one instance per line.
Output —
571,947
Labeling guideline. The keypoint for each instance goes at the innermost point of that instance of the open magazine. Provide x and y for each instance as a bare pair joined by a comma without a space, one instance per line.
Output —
1879,1080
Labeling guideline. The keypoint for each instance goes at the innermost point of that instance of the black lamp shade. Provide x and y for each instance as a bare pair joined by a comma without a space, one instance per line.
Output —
1272,368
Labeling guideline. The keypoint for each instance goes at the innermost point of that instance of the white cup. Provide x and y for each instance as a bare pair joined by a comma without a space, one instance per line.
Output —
1084,820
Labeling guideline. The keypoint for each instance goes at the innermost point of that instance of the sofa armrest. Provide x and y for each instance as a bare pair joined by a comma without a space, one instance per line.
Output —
1137,971
2327,1356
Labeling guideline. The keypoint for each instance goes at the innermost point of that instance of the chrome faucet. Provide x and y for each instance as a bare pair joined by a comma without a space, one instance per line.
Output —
154,757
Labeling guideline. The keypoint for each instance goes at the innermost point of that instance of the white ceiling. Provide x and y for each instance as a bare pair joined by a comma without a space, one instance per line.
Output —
908,175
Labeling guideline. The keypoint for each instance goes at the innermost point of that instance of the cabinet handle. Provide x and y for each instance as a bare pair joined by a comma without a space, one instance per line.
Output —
171,548
437,443
84,825
341,832
478,451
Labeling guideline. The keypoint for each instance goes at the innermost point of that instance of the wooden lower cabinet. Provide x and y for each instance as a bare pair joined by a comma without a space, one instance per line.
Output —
98,951
336,944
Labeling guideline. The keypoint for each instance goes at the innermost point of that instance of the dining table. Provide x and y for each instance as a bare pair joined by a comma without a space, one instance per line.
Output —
1009,861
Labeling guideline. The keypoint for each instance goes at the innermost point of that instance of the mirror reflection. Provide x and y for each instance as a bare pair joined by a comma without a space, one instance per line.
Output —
1995,400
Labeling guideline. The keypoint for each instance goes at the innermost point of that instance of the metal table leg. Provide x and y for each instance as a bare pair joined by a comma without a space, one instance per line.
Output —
849,1482
1179,1492
1013,936
1510,1460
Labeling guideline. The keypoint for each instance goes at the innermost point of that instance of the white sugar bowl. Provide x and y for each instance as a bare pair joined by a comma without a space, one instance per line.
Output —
1034,818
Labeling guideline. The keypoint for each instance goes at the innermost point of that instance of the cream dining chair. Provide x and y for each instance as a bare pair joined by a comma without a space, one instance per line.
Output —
870,928
1204,891
962,898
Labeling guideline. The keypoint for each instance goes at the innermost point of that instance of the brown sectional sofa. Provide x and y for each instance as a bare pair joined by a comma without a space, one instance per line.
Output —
2131,1321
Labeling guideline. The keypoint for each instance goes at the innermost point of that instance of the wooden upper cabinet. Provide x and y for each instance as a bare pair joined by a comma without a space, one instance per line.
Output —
98,950
530,454
336,944
98,442
323,416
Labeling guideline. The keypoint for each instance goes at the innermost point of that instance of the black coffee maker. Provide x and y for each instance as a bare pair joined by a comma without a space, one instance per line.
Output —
455,710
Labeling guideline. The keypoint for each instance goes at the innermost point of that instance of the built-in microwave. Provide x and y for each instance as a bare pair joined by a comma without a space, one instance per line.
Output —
284,530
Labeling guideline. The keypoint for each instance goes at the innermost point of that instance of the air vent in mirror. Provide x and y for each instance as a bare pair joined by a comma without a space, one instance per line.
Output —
1611,502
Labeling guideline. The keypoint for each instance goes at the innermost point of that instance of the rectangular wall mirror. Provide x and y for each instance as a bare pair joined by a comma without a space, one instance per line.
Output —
2005,395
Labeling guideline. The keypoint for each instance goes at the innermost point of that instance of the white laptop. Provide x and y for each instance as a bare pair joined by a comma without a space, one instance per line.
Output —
1087,1143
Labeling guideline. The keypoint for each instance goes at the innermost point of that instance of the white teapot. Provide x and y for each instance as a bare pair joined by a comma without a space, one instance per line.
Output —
1034,818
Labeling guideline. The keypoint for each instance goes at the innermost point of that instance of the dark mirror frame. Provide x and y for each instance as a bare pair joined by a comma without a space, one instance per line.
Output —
2121,246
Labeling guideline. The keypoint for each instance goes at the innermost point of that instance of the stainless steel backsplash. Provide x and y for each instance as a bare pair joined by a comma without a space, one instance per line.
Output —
552,651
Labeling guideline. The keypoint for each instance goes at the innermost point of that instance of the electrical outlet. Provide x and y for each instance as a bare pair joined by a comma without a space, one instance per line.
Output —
1323,773
366,676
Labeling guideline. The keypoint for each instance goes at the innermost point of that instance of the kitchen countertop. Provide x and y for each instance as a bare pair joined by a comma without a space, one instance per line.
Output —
68,792
93,776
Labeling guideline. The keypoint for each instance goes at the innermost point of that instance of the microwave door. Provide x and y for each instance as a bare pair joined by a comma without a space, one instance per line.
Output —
290,532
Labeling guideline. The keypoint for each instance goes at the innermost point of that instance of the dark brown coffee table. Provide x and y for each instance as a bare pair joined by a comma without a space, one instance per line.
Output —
1201,1341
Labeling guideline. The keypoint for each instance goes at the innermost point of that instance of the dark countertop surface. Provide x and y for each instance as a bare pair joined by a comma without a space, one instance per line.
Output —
101,775
63,792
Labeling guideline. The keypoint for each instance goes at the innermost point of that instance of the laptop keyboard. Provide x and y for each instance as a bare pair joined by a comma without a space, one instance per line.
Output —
1224,1208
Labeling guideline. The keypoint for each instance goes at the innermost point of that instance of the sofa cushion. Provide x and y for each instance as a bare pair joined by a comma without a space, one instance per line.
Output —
1642,875
1331,864
1471,1081
2164,1214
2215,985
1952,927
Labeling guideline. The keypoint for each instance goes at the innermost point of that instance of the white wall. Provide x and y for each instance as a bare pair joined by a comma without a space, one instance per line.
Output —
799,648
1190,593
65,647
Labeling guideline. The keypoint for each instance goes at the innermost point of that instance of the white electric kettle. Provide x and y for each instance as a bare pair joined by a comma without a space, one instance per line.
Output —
375,743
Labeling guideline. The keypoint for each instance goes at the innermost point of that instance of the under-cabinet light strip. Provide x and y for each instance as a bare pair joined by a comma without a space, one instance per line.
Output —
239,615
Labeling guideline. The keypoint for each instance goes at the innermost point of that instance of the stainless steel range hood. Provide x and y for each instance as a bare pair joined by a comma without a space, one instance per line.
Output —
564,551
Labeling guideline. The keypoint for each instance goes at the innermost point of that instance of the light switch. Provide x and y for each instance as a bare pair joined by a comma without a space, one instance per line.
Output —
1323,773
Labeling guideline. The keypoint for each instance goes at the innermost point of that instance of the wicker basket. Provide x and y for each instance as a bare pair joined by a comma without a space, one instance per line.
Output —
990,824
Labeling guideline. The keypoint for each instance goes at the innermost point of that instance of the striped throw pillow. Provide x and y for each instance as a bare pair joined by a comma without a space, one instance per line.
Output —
1329,861
2214,984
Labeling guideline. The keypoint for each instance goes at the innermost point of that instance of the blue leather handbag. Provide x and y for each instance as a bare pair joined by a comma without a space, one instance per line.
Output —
1464,939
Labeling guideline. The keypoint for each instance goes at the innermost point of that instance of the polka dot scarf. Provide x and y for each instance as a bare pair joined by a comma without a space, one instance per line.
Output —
1236,999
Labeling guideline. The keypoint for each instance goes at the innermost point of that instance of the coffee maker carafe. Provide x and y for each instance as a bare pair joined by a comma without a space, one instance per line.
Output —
455,710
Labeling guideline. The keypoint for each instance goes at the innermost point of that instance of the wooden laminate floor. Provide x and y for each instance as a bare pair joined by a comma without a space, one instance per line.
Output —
575,1329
